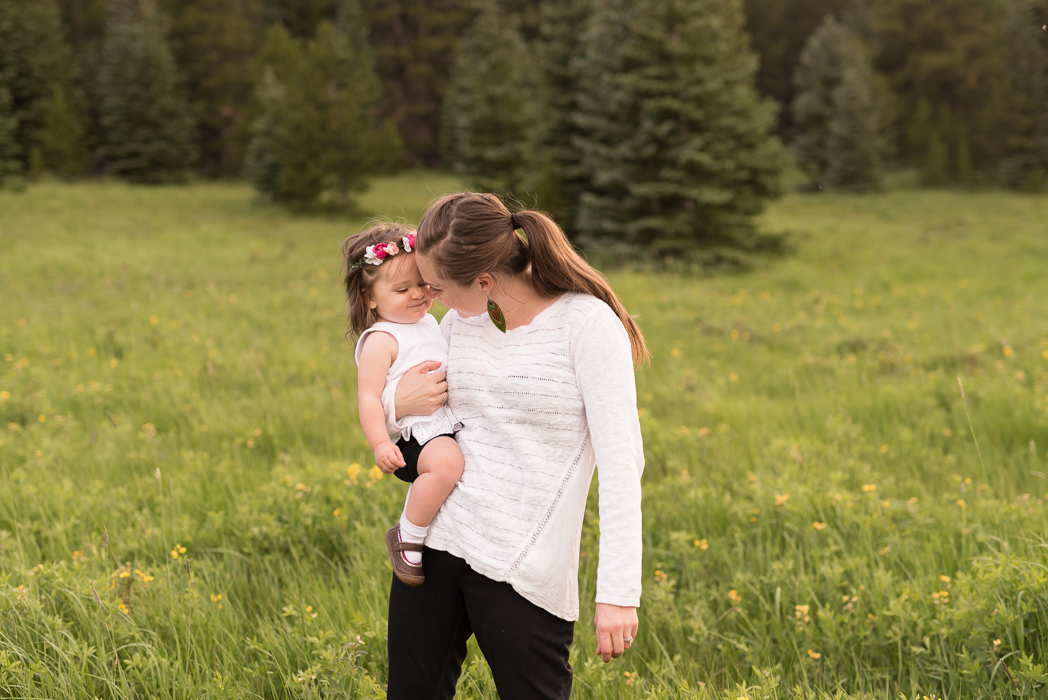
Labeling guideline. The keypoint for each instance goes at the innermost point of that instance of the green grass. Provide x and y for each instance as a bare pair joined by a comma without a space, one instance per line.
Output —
175,376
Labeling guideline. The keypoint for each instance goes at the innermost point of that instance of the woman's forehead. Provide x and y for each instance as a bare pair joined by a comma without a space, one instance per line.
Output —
428,269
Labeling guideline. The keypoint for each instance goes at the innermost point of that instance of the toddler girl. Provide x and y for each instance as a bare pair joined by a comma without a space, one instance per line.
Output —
388,310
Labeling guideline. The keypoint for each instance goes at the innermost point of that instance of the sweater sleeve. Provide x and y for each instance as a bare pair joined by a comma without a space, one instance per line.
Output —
604,372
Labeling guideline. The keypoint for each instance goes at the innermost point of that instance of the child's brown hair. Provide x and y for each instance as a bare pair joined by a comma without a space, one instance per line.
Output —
359,279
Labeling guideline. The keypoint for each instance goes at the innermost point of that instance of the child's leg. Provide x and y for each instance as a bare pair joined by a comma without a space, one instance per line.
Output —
439,468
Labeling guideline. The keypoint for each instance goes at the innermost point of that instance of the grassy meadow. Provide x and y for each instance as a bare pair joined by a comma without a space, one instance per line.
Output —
188,507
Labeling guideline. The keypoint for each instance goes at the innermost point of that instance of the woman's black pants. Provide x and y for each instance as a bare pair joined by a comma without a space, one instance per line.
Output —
526,646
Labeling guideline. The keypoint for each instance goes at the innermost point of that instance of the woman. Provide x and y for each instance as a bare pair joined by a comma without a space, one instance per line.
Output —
540,374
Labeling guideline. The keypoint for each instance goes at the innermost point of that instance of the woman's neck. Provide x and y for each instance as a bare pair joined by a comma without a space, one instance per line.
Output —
519,300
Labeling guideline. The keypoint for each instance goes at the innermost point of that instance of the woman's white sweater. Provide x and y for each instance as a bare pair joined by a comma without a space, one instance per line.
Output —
541,406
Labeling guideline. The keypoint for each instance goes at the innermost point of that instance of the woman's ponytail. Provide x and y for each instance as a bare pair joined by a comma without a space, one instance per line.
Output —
470,233
557,268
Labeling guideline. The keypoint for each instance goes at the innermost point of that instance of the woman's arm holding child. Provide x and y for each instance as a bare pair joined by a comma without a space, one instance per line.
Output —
376,357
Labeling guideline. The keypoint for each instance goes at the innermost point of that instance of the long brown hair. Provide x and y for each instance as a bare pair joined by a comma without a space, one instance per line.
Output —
358,281
467,234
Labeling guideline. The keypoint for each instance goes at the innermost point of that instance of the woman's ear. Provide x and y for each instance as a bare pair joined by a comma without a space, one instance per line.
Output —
485,282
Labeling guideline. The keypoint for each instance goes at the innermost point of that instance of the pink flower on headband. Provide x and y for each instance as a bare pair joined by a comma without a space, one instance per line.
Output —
409,242
375,254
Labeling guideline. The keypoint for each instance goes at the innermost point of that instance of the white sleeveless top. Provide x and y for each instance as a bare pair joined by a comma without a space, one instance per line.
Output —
417,342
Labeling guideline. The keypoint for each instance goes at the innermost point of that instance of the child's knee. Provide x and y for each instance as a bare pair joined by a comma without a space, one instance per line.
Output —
442,458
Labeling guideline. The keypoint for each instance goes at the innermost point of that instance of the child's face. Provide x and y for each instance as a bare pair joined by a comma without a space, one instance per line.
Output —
399,294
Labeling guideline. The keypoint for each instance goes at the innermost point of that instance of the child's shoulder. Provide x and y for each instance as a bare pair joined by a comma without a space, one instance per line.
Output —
377,340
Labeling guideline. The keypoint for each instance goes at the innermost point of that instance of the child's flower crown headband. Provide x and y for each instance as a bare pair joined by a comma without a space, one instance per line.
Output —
375,254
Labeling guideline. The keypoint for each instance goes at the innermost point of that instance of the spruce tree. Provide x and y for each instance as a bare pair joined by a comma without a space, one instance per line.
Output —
486,111
60,147
318,138
679,151
34,61
10,165
414,45
213,43
148,130
947,53
835,111
556,176
1026,165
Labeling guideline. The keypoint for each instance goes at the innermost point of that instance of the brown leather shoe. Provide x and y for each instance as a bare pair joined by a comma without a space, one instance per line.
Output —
408,573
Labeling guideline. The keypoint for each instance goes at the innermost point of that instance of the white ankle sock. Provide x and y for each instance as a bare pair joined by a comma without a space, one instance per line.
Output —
410,532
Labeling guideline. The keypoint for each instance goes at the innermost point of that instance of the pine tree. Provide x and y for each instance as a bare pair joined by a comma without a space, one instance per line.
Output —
319,138
10,165
1026,165
486,111
680,151
835,111
60,148
414,45
555,173
34,61
260,163
213,43
949,54
147,125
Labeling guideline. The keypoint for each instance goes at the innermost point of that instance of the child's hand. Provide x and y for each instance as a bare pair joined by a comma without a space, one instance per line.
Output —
388,457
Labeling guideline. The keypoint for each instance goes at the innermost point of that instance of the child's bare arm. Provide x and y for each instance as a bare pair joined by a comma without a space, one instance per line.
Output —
376,357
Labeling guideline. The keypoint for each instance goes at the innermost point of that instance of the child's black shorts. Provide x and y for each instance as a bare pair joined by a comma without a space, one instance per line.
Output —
411,450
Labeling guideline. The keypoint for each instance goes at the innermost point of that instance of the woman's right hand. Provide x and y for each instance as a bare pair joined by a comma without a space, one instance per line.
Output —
421,391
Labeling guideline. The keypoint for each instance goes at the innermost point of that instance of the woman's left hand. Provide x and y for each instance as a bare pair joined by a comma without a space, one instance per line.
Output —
616,629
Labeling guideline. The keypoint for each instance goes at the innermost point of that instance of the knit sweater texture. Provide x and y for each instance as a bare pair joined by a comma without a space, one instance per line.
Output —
541,407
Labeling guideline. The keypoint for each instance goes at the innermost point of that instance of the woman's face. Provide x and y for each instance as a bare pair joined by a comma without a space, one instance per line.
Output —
468,301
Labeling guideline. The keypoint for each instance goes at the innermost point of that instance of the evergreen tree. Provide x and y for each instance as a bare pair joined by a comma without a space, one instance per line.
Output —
414,45
261,164
60,148
318,138
948,55
1026,166
835,111
679,150
555,173
486,111
213,42
779,30
147,125
34,62
10,165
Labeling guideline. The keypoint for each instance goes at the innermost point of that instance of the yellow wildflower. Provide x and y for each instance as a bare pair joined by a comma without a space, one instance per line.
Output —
867,488
814,655
819,527
353,470
781,498
962,504
215,597
734,597
301,487
661,576
374,474
123,608
702,544
4,396
675,352
125,574
884,448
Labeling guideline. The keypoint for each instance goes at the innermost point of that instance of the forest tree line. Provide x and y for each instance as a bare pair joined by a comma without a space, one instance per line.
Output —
628,120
